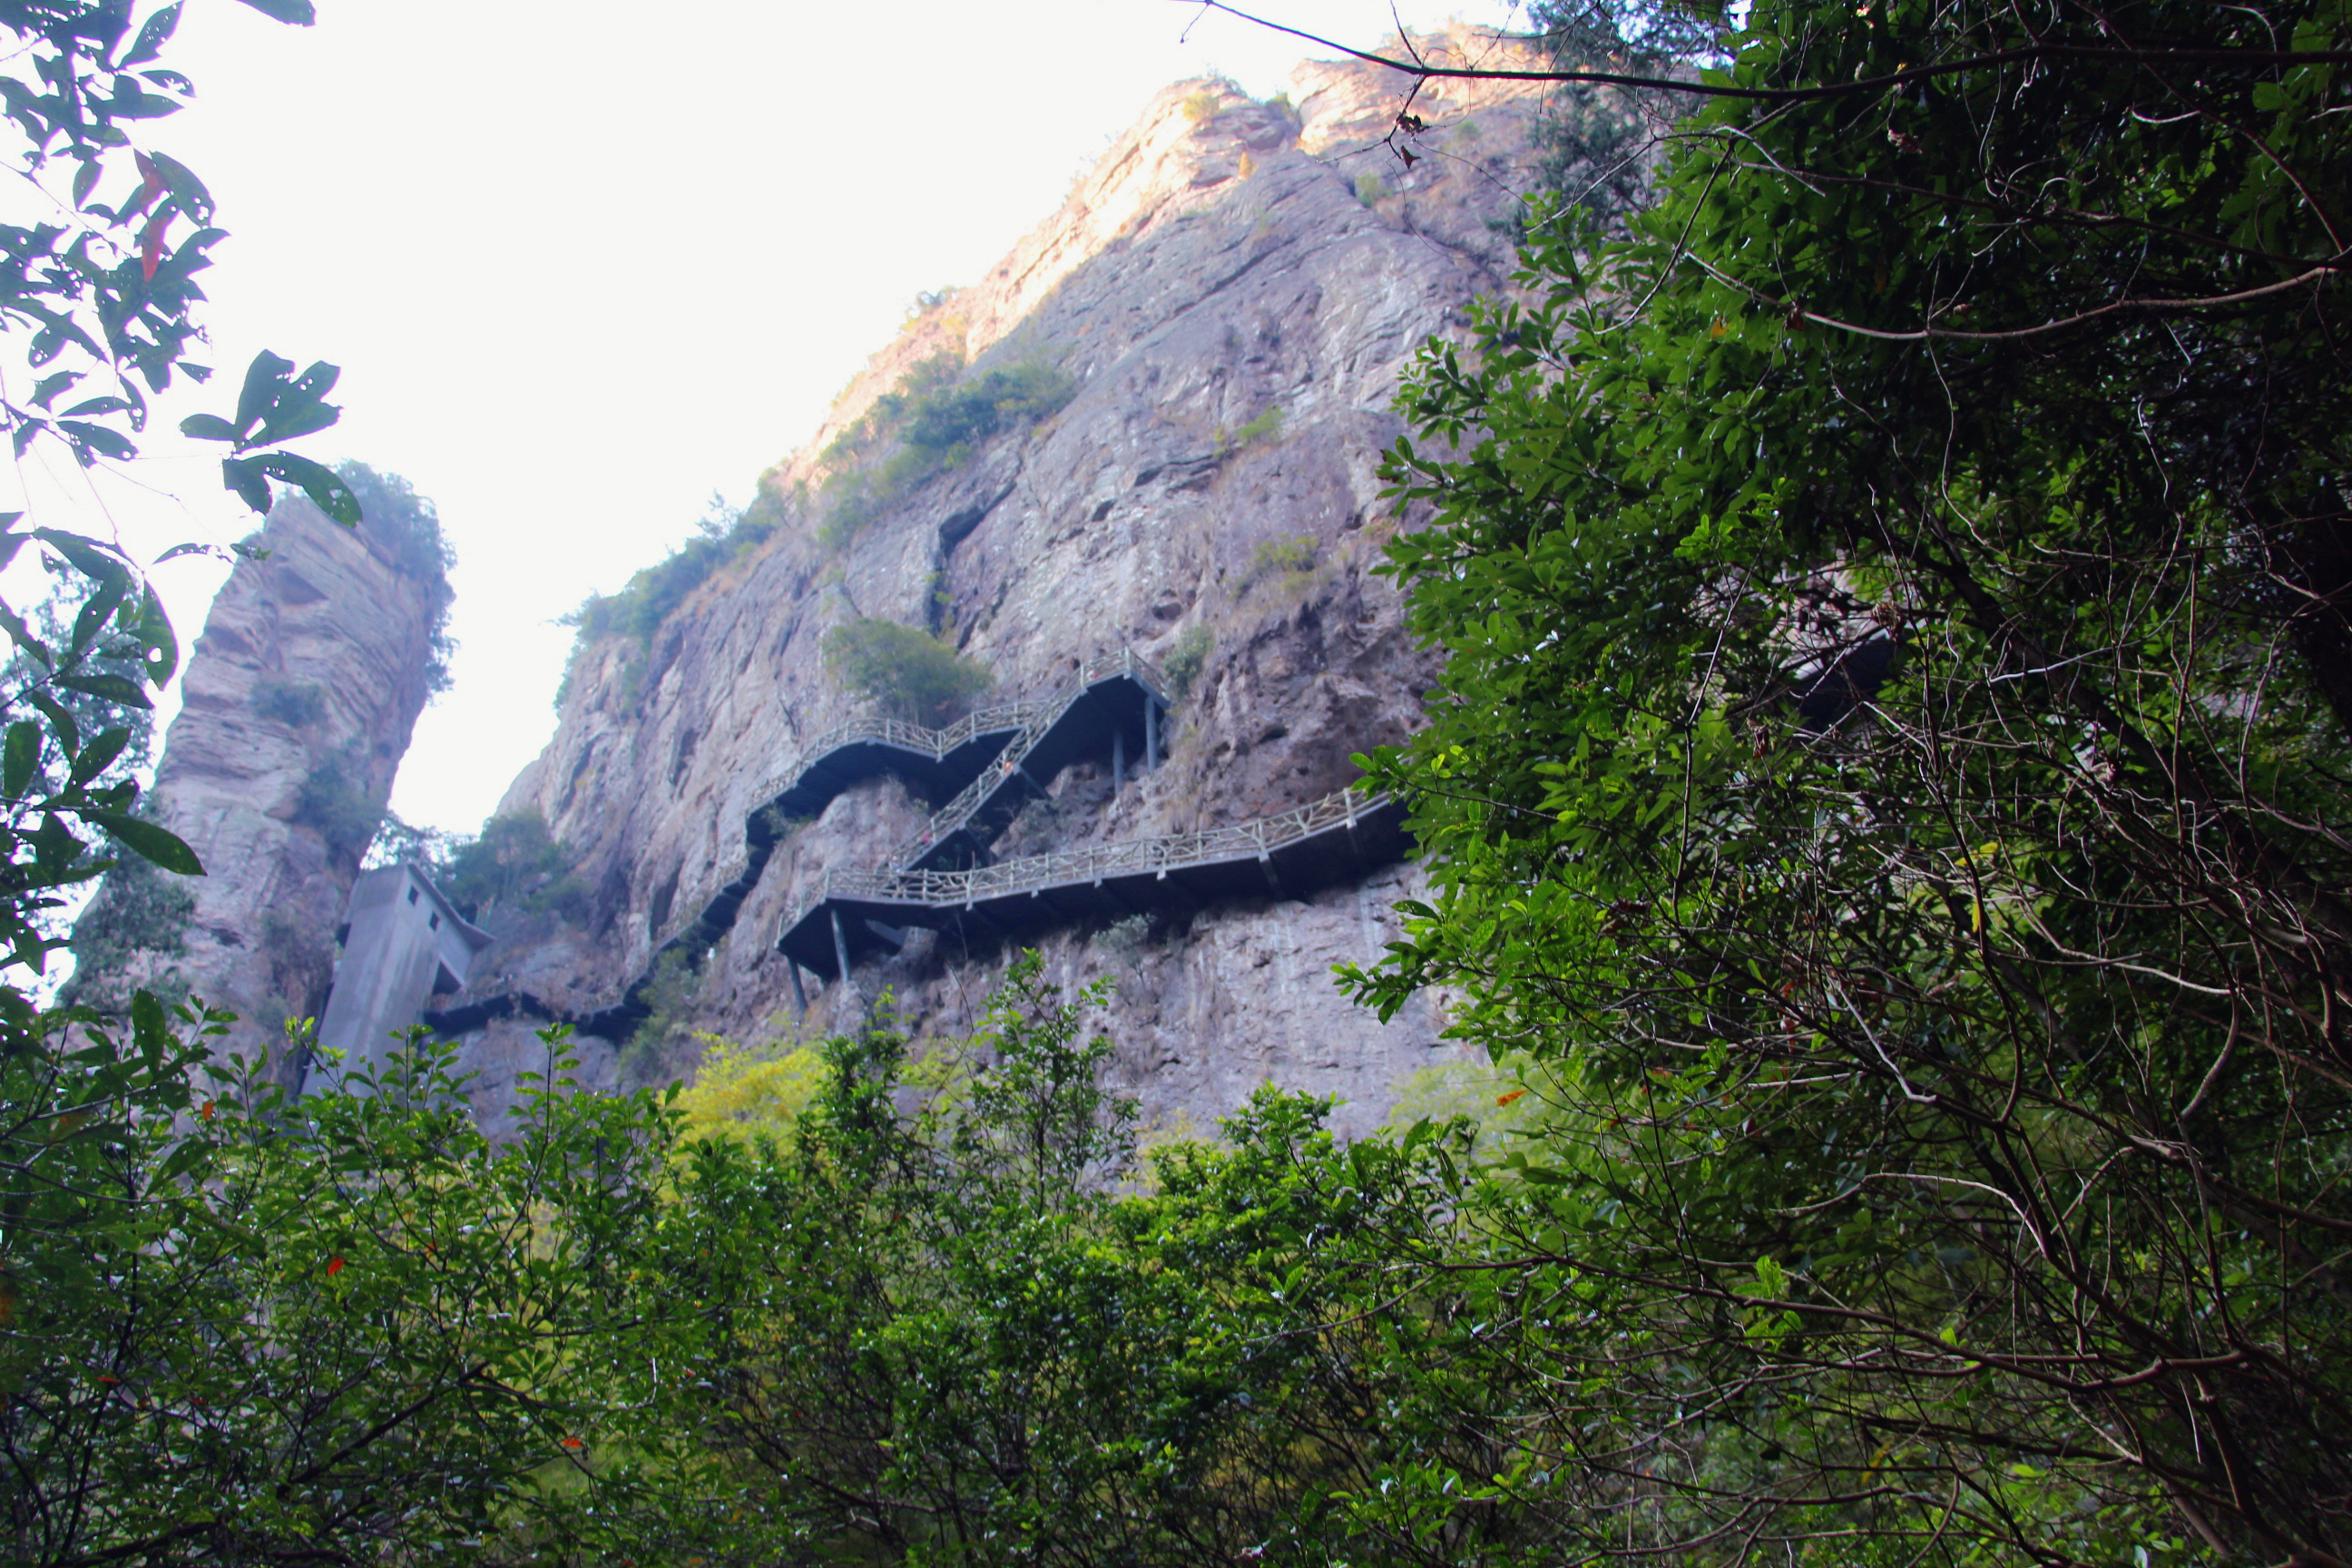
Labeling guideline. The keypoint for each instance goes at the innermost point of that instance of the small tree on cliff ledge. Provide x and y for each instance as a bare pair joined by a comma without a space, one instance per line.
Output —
913,675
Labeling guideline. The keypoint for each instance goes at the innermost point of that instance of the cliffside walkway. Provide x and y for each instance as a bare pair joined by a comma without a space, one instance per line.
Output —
988,765
1291,853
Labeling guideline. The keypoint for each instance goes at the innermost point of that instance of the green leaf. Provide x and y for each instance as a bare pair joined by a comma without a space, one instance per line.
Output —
264,379
194,200
98,438
45,391
23,635
152,844
61,723
298,12
53,845
160,643
152,37
207,427
87,556
95,613
319,482
112,688
244,476
19,756
95,757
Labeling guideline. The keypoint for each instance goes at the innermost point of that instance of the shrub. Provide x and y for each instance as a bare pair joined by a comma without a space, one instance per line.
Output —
934,420
639,608
746,1091
1185,659
1201,107
410,527
514,862
1266,427
337,804
913,675
138,909
1283,561
297,704
1371,188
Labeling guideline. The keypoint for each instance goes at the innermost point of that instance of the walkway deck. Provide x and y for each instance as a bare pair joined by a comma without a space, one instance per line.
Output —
986,766
1291,854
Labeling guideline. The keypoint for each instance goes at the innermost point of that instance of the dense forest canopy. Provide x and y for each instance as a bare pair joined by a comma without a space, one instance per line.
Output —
1885,809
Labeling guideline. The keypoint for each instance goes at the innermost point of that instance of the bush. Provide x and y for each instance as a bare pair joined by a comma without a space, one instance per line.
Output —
1185,659
1201,107
1266,427
138,909
294,704
410,527
641,606
745,1091
911,674
937,418
336,803
1283,561
514,863
1370,189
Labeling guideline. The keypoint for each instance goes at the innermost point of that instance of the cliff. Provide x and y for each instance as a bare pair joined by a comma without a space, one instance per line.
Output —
1226,303
297,706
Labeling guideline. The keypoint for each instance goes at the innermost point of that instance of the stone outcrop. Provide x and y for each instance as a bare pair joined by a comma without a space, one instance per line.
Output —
1236,291
297,706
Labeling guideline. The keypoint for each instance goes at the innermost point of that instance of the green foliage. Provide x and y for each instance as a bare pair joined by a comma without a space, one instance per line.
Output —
410,526
1202,108
1185,659
134,925
911,674
749,1092
514,863
1286,564
110,653
1895,680
297,704
723,536
105,293
1266,427
1599,146
1370,189
75,705
337,801
935,418
241,1328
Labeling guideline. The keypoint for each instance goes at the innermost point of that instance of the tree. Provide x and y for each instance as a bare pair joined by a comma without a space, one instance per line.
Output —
1891,760
911,674
111,309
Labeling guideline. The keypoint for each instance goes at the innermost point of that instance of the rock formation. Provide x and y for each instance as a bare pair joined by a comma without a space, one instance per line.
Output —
297,706
1233,293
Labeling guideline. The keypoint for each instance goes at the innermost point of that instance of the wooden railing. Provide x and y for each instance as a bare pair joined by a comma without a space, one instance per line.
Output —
873,729
1048,710
1028,719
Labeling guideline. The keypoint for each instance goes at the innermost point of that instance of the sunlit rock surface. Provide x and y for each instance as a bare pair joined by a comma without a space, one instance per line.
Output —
1237,289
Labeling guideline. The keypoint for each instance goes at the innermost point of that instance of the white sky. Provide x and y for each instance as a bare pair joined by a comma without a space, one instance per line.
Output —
585,263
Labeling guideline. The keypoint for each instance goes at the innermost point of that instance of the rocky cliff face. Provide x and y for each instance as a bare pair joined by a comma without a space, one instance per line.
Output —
1236,291
297,707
